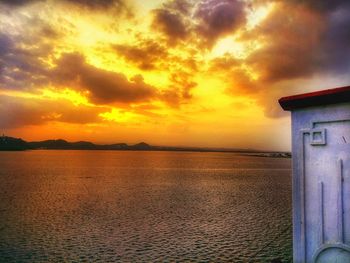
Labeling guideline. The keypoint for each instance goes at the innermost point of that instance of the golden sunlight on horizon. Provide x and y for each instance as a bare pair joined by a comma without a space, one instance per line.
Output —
176,72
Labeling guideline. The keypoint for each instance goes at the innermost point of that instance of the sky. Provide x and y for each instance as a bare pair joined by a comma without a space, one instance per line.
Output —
204,73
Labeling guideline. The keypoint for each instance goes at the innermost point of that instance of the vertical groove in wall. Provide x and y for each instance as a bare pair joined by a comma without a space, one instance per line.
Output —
321,213
340,203
302,199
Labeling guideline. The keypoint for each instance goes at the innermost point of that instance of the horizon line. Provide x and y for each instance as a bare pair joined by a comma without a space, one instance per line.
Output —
214,148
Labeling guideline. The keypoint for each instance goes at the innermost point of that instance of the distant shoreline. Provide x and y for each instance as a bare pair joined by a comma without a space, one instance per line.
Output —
255,154
17,144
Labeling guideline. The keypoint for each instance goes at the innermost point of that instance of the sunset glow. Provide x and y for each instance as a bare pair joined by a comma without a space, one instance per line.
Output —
174,72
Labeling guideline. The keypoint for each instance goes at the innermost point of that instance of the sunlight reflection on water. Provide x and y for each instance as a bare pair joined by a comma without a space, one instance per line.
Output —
108,206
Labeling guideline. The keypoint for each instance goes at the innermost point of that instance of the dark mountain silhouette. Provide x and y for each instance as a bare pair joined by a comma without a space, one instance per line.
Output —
142,146
16,144
49,144
82,145
12,144
9,143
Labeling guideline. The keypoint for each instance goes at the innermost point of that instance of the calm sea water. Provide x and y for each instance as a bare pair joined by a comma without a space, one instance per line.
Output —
114,206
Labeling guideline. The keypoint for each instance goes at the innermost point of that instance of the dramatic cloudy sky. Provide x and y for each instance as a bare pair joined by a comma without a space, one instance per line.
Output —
173,72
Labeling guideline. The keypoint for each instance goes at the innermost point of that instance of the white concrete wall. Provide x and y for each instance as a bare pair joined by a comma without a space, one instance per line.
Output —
321,184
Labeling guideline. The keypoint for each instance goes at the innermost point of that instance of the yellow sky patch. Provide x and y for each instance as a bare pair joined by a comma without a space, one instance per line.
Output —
203,109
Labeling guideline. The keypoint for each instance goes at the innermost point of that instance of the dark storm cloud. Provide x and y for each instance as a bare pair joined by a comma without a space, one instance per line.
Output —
146,54
117,6
171,23
21,68
17,2
207,19
24,68
6,44
323,43
103,86
94,3
149,55
291,44
183,7
219,17
90,4
301,39
290,52
321,5
16,112
334,49
225,62
321,47
311,40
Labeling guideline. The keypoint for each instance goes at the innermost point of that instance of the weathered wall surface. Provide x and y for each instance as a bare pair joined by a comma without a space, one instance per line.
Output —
321,183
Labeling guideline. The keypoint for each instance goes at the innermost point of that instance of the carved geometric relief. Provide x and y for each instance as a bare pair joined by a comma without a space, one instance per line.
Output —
318,136
321,238
332,251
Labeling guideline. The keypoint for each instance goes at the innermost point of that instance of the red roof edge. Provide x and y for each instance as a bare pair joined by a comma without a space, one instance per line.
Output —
318,98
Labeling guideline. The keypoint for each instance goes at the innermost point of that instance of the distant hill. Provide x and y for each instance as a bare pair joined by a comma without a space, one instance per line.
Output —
17,144
12,144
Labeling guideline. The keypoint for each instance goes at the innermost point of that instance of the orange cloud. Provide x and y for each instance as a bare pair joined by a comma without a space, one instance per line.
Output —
104,86
17,112
164,64
146,54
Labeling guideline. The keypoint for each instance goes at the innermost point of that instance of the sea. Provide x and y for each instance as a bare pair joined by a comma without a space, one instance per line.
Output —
144,206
